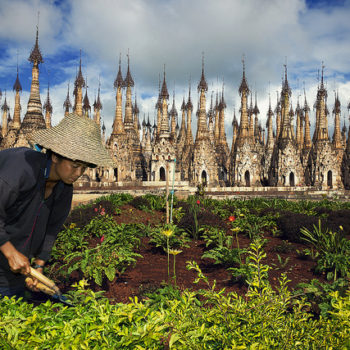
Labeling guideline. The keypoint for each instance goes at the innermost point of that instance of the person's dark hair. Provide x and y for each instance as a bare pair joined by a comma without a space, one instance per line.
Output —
49,153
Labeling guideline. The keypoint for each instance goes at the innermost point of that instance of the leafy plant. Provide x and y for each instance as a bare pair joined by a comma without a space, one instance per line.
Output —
70,239
319,294
223,250
100,224
177,240
253,262
332,250
102,261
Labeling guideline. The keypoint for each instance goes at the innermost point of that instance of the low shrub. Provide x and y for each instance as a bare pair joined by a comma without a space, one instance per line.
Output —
289,225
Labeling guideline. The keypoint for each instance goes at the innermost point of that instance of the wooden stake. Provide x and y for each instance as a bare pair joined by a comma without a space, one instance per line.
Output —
167,192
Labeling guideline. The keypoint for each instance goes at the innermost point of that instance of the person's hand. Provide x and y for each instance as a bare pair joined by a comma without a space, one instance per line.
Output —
18,262
31,284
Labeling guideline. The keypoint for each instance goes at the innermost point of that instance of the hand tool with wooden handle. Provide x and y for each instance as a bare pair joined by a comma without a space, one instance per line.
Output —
42,287
47,286
45,281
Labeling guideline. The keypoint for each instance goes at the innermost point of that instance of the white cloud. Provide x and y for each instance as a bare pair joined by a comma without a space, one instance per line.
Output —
174,33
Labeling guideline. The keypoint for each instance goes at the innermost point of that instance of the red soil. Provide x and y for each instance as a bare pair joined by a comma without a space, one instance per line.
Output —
150,271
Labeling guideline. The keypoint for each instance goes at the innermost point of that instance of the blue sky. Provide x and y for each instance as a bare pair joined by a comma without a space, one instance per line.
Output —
175,32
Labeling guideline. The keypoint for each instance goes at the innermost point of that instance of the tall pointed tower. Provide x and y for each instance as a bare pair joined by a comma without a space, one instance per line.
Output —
33,118
67,104
164,148
17,113
286,168
48,109
5,111
203,166
324,159
118,124
97,107
222,150
79,84
133,140
122,153
247,156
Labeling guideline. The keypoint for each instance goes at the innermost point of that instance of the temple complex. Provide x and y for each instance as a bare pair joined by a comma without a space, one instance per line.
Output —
281,153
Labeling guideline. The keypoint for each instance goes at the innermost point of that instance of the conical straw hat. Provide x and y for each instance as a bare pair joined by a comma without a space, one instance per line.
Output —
77,138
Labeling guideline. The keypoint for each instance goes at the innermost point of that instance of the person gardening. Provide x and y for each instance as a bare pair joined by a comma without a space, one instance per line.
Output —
36,194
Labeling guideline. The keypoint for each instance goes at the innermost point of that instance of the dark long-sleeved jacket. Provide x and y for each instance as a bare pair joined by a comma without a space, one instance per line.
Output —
30,222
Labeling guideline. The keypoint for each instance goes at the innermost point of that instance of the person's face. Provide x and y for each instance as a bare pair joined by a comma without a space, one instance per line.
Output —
67,170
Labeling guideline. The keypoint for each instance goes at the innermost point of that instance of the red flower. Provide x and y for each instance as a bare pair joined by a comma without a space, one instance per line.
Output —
231,218
198,202
102,238
103,212
96,210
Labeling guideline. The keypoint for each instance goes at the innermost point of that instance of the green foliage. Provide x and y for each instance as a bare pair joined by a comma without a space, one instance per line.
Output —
149,202
70,239
244,273
104,260
208,319
223,250
178,214
117,199
320,294
195,206
100,224
333,251
178,239
111,256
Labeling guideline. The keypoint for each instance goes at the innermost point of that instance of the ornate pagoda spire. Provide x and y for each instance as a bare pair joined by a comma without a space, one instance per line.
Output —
158,107
202,86
251,119
234,130
118,124
343,132
307,135
164,126
33,118
299,126
202,129
222,134
86,104
286,127
173,115
98,106
79,84
269,124
256,120
148,141
182,132
35,56
48,108
136,112
17,112
337,140
211,120
129,83
243,133
189,109
278,117
67,104
5,113
164,94
321,129
216,120
119,81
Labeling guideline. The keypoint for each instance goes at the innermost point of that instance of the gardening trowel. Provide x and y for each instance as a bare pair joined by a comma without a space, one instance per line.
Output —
47,286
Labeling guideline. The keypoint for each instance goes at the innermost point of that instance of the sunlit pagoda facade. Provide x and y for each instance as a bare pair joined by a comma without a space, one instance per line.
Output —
281,153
